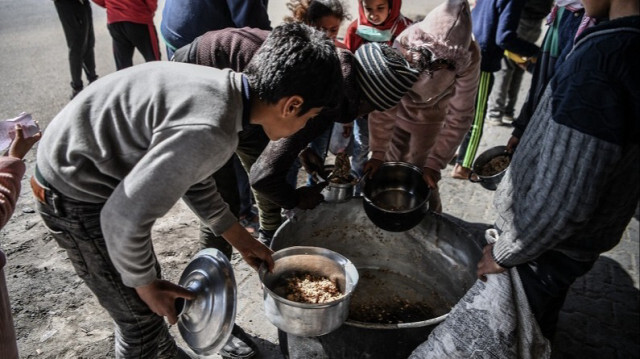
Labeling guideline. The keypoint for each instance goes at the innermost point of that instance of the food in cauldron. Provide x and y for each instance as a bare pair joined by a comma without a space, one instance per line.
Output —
396,311
495,166
309,288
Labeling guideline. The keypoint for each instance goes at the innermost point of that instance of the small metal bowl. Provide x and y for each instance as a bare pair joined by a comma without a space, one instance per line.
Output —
305,319
338,192
489,182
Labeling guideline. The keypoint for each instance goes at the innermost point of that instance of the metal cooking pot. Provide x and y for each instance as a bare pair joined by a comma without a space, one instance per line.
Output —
488,182
395,197
307,319
338,192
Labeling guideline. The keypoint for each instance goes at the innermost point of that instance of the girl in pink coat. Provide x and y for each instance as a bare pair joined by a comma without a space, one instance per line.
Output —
430,121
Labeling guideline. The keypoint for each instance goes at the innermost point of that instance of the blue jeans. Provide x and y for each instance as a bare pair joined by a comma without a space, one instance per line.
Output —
75,225
319,145
360,145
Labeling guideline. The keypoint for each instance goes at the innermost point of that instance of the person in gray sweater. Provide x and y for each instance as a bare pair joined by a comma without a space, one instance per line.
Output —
572,185
125,150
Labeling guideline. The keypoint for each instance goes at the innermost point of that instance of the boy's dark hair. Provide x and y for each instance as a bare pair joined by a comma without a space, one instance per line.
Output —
296,59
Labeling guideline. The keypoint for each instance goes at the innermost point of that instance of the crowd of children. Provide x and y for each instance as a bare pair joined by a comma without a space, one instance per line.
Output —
411,91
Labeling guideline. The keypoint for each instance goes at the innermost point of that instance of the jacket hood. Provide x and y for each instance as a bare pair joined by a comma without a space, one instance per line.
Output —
445,32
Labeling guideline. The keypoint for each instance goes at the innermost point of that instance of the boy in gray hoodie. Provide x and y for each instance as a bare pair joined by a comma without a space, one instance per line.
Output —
124,151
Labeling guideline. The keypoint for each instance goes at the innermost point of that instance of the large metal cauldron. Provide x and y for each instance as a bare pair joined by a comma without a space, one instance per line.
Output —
432,265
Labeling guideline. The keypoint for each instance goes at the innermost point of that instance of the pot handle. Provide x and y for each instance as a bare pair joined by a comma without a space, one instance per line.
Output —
472,179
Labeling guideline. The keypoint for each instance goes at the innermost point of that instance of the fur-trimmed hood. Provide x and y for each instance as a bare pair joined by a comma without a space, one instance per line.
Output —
445,32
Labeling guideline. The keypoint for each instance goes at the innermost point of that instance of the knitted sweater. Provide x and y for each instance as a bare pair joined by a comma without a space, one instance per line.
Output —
140,139
573,183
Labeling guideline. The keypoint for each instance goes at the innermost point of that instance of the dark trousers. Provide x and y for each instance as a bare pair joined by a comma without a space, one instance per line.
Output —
75,225
546,281
252,142
77,23
128,36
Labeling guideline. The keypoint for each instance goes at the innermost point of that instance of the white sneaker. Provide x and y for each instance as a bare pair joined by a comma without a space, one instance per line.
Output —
507,120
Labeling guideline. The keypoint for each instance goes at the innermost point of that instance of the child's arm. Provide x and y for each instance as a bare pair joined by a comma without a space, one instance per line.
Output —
11,171
459,115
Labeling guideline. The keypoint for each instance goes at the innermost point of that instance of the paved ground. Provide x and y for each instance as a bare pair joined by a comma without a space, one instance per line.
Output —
601,318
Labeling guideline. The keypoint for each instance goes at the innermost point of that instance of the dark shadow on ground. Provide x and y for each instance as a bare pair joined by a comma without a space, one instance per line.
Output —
601,316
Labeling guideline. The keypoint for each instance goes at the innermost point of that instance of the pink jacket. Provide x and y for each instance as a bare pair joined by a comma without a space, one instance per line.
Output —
11,171
430,121
136,11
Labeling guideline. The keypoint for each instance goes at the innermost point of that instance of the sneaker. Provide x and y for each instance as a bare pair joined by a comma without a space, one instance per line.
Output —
494,121
239,345
74,92
507,120
460,172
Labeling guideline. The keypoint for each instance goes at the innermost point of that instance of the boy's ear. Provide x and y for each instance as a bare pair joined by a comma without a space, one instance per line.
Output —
292,106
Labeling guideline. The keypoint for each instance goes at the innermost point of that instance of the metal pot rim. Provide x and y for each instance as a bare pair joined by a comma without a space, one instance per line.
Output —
348,266
399,164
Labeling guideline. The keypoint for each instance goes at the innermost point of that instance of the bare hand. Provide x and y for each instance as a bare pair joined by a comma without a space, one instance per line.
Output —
432,177
20,145
312,163
253,251
371,166
309,197
160,295
487,265
512,144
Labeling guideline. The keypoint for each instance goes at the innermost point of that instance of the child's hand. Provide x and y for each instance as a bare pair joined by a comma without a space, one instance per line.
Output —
160,295
371,167
487,265
512,144
312,163
20,145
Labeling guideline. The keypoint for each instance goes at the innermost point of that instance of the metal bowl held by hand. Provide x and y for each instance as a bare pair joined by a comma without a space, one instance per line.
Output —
490,166
395,197
307,319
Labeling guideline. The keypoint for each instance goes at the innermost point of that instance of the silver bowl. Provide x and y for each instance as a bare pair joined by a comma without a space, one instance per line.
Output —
305,319
338,192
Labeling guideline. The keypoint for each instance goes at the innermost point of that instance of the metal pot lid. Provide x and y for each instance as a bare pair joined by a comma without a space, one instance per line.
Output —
205,323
